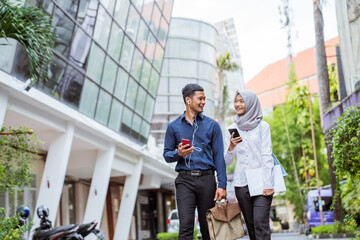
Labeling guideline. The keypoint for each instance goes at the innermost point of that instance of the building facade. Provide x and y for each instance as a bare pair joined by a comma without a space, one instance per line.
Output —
189,58
94,115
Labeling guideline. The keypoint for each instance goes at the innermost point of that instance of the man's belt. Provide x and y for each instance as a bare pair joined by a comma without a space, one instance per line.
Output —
197,172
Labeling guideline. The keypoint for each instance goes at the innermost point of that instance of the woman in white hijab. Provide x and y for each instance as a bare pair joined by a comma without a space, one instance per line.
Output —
252,150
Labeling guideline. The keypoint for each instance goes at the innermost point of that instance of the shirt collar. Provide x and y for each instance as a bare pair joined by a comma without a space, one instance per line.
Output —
197,116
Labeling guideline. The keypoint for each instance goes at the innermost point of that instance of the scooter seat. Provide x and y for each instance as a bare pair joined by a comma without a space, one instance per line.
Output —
41,233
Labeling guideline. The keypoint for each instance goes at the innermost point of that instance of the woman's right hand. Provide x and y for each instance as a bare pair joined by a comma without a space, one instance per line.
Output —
234,142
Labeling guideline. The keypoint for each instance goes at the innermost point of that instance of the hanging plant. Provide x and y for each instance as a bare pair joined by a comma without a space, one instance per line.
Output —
18,148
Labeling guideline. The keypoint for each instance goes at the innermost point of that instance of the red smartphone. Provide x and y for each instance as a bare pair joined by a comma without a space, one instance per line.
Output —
185,142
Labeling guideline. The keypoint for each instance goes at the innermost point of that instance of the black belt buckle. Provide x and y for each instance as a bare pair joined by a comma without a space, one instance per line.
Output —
195,173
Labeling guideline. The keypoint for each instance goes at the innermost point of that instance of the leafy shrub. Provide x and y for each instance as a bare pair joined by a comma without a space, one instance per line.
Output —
337,227
9,227
173,236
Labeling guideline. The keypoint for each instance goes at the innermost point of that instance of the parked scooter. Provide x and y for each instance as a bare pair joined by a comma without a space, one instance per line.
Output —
69,232
47,232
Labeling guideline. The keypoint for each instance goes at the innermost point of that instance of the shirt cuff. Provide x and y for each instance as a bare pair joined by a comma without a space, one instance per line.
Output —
222,185
268,185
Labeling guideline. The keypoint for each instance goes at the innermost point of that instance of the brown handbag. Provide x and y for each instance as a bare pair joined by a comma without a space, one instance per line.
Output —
224,221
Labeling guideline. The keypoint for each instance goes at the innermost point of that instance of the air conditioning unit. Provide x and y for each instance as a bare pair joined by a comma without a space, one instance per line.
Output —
354,83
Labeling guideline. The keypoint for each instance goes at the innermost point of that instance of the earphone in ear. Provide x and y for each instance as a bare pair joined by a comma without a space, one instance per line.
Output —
188,101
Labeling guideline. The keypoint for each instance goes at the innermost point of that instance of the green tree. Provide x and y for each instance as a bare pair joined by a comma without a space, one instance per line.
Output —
31,27
223,64
296,113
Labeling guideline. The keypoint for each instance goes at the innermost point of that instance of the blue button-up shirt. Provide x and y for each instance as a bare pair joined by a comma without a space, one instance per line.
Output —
205,136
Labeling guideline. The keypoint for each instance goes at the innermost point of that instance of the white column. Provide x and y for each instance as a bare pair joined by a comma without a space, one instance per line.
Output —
54,174
99,186
4,98
128,201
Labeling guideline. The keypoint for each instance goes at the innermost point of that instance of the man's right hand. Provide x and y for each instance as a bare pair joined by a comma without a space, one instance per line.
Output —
184,150
234,142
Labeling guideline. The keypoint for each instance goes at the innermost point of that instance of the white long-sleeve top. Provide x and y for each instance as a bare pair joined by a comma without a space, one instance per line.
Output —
254,151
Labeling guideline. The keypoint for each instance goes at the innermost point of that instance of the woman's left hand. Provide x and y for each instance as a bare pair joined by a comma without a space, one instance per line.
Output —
268,192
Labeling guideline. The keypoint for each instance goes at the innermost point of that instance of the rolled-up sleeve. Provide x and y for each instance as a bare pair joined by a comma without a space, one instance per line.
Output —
218,154
170,146
267,159
229,155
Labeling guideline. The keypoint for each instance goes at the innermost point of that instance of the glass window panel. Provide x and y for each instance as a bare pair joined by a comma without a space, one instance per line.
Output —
121,84
155,19
147,10
176,84
207,53
48,6
140,101
142,35
176,48
145,128
131,93
63,30
127,53
185,28
158,57
177,103
87,14
115,115
95,64
121,12
160,3
136,123
137,64
56,72
138,4
80,47
206,71
150,47
88,98
7,49
69,6
167,9
73,83
108,79
183,68
132,23
127,116
102,27
154,81
103,107
165,67
207,33
116,41
163,86
161,105
209,88
145,73
163,31
149,107
109,5
21,69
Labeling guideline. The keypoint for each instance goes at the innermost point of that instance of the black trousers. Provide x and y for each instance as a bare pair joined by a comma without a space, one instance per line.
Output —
192,192
256,212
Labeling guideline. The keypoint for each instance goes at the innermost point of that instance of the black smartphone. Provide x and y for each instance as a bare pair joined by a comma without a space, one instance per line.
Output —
235,131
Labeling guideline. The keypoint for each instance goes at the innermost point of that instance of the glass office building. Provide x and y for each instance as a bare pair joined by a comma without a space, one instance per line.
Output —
189,58
107,59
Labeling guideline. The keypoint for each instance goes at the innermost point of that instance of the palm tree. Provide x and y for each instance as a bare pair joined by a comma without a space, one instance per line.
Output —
324,95
31,27
223,63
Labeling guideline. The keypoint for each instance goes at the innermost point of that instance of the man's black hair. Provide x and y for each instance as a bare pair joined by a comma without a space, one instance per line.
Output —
190,89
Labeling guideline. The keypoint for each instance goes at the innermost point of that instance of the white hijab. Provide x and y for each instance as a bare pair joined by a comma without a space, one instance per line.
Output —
253,114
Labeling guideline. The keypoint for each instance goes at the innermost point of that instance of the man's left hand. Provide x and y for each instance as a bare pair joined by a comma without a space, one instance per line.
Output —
220,194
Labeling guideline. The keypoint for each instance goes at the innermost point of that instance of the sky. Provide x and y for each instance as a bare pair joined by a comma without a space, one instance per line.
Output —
261,39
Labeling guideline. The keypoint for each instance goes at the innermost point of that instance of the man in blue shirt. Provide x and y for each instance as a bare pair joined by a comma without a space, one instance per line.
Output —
197,163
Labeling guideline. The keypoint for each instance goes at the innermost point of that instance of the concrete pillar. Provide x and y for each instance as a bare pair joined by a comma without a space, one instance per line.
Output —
128,201
54,174
4,98
99,186
160,212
